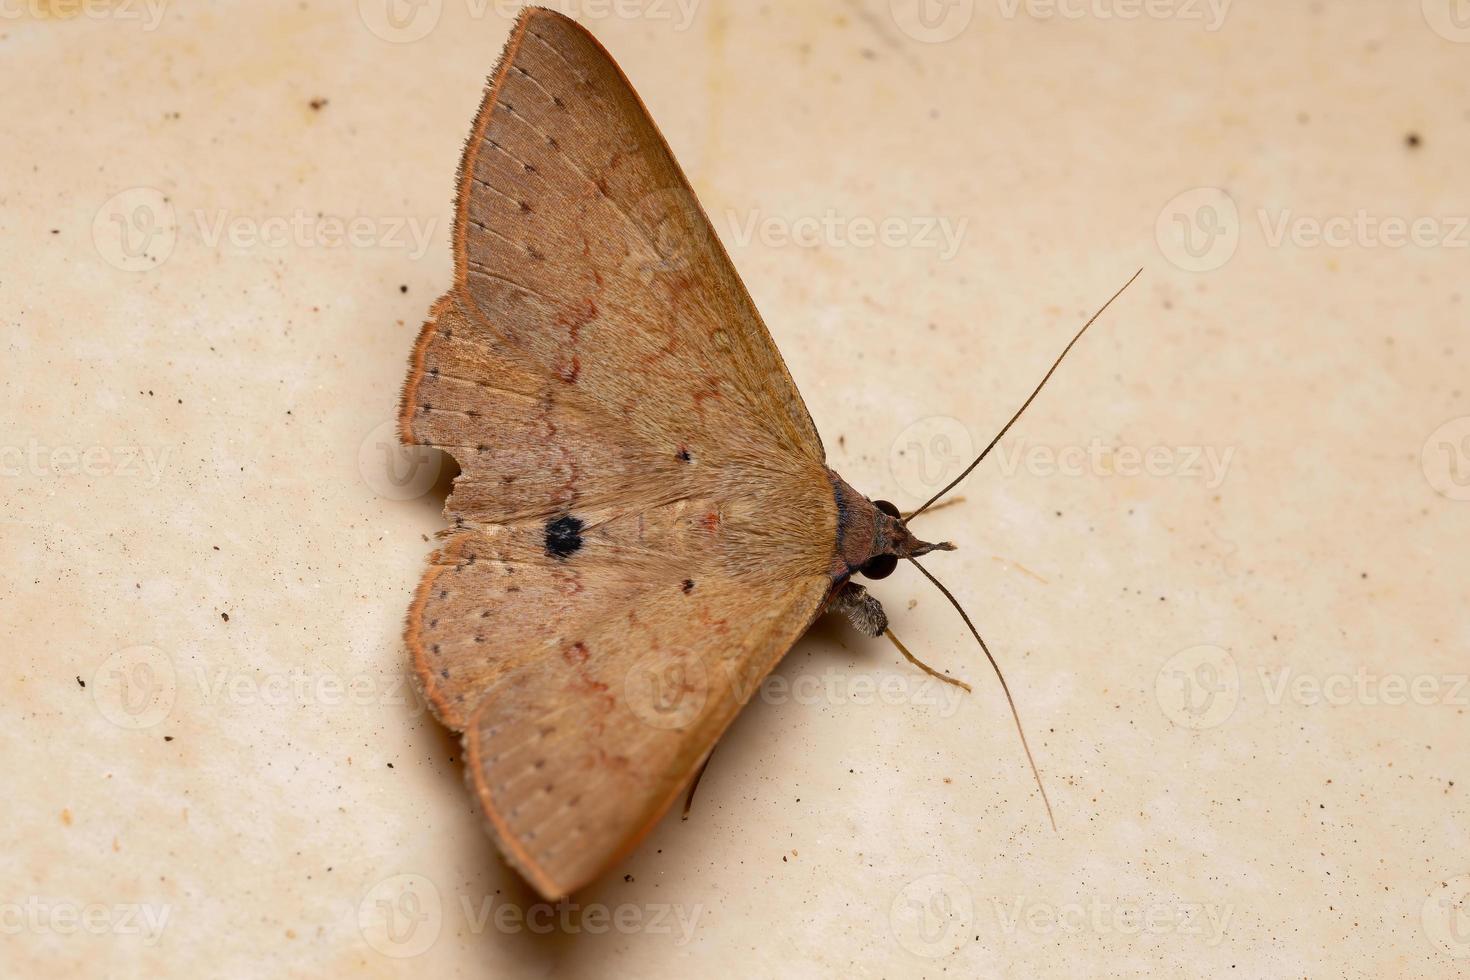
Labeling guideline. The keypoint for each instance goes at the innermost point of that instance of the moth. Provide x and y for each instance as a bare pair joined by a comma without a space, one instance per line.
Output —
644,522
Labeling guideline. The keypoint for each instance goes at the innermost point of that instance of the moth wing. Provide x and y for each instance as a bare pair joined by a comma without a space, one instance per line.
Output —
644,508
586,733
590,283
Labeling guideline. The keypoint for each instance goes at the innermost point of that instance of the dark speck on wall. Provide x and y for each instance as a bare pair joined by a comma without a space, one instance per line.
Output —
80,681
318,104
225,616
1413,141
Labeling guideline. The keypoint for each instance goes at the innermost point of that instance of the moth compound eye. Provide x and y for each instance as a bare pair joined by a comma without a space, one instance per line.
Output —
880,567
888,509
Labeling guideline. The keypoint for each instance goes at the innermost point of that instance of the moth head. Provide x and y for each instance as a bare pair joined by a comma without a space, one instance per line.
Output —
891,541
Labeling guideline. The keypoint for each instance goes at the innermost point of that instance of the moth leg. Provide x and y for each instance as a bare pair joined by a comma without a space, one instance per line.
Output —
925,667
689,800
861,608
866,613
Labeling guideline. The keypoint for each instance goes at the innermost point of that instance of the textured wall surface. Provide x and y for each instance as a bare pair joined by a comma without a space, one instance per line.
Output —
1222,559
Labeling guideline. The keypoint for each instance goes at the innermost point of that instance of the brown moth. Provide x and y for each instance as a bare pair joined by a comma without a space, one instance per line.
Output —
644,523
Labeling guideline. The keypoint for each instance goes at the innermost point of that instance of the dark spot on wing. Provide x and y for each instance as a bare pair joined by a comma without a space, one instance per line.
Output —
564,536
688,585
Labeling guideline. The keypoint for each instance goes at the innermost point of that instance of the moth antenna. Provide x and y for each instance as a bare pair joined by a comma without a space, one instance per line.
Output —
923,666
951,502
1014,418
1003,685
